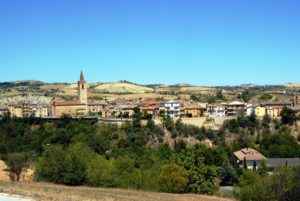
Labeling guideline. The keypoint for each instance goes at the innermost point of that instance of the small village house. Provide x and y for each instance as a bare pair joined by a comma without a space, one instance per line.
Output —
260,111
172,108
250,109
234,108
249,158
216,110
191,109
150,107
203,109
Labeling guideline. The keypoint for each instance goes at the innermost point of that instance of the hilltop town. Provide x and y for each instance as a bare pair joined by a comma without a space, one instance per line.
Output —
223,141
116,101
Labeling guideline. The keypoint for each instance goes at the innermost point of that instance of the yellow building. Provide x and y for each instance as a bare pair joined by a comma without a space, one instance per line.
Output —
3,111
260,111
191,111
16,110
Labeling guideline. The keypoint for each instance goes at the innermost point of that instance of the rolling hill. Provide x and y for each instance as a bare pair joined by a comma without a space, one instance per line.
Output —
123,87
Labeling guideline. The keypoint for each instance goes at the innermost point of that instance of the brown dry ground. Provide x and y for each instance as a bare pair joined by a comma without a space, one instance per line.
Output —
52,192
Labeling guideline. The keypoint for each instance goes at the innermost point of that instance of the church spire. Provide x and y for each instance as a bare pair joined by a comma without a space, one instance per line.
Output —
81,77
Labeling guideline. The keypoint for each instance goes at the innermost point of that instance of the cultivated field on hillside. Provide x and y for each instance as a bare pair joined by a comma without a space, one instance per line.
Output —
47,192
120,87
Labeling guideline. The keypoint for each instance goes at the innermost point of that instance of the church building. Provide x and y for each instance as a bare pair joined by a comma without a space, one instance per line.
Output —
73,107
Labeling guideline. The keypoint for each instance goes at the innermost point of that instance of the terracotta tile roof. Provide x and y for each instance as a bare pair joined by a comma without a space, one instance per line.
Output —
249,154
150,102
67,103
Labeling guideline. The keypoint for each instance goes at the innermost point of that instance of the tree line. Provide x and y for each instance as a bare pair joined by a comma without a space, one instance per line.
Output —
78,152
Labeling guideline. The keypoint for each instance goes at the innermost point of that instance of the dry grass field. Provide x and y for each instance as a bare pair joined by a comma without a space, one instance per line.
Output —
52,192
292,85
120,87
133,96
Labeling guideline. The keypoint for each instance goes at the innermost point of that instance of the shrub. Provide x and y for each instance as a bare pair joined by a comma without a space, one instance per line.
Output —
17,163
101,172
173,178
77,158
266,97
51,165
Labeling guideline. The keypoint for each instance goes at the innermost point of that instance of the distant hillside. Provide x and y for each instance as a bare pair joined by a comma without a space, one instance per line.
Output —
292,85
123,87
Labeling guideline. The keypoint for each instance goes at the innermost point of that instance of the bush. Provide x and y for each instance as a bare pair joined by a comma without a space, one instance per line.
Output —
77,158
173,178
282,185
17,163
51,165
266,97
65,167
288,116
101,172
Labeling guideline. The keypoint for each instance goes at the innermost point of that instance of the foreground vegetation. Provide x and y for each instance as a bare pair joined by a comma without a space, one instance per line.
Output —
136,156
283,185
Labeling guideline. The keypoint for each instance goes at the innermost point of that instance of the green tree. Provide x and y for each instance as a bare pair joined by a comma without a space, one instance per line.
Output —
282,183
51,165
219,95
211,99
195,97
266,121
173,178
246,96
17,163
262,169
266,97
77,158
288,116
200,163
258,191
101,172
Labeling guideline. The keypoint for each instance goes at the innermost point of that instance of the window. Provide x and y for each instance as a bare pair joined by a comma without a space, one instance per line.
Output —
82,86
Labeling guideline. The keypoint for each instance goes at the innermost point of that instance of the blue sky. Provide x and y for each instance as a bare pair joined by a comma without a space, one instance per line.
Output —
202,42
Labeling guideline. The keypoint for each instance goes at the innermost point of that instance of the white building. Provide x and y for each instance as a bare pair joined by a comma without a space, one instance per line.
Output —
173,108
217,111
250,109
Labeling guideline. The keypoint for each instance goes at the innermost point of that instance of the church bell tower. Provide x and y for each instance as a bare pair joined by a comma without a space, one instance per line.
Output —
82,89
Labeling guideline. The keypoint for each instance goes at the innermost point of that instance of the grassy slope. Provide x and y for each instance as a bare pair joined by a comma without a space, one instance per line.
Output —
45,191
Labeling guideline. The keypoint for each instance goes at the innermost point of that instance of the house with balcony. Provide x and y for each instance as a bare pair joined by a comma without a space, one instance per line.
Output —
234,108
216,110
173,108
